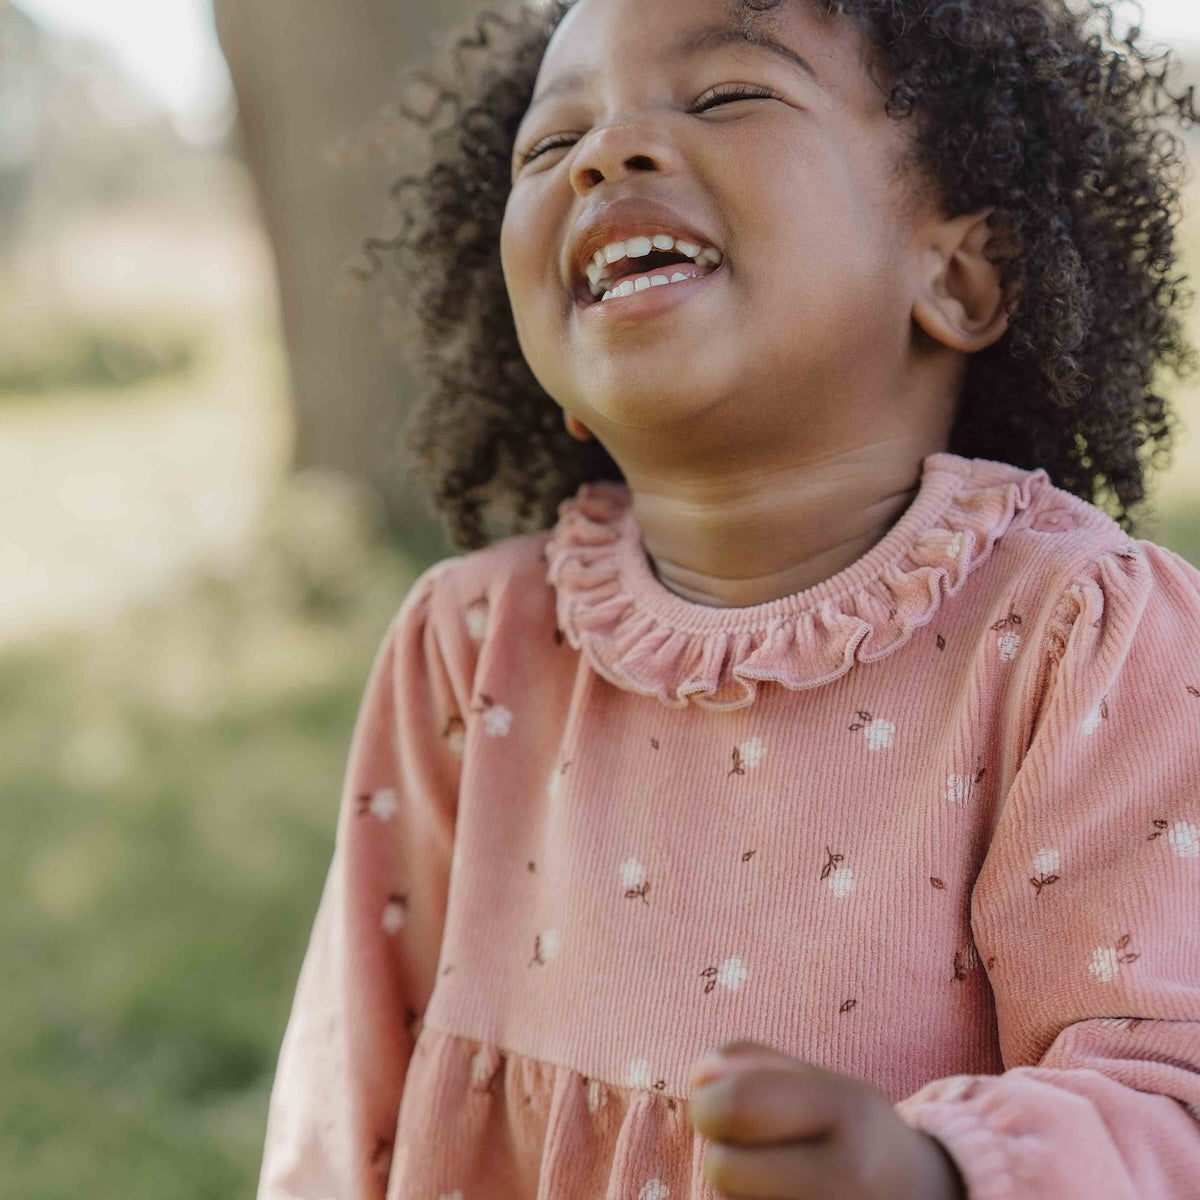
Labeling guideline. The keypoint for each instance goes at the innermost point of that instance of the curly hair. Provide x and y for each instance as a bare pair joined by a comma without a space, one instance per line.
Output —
1017,104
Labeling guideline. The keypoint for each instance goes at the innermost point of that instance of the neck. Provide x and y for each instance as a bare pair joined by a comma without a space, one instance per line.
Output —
752,535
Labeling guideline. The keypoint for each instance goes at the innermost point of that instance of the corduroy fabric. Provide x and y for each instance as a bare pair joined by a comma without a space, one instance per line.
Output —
934,823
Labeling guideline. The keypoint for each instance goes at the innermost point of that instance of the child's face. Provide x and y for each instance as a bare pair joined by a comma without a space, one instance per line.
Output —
810,302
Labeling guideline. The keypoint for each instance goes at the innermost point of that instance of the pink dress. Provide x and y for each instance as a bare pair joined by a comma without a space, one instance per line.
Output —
934,823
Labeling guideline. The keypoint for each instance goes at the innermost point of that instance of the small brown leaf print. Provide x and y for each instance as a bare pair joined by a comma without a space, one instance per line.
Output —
447,969
1126,958
634,892
991,962
1104,709
661,1086
1009,622
1041,881
1160,827
1134,1022
1193,691
864,719
739,765
559,637
654,743
940,884
531,867
455,722
831,863
961,966
847,1005
1128,554
670,1103
748,855
364,805
940,642
709,973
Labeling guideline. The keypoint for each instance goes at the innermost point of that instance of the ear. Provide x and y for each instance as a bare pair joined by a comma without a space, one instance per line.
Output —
578,430
959,301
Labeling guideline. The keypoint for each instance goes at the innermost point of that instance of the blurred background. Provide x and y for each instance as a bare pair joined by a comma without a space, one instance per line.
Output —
204,531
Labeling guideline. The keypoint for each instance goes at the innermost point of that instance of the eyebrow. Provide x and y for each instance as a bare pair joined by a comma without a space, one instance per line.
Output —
695,41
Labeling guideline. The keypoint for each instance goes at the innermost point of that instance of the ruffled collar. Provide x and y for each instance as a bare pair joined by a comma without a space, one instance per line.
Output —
642,637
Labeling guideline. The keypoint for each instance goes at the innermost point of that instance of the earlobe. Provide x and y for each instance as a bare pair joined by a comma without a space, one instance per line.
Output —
960,302
578,430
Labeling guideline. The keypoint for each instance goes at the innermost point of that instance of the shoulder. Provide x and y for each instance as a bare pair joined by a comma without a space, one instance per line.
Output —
465,598
1103,586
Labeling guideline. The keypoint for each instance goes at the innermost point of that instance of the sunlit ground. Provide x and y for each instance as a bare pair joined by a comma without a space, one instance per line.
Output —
186,640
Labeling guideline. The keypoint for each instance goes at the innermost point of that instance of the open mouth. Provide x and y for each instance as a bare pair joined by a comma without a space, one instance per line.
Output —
622,269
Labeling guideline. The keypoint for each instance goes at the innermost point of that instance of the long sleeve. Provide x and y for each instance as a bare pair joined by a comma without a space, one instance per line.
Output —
373,953
1086,912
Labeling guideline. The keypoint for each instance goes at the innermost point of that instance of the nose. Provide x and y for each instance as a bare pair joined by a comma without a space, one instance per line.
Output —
614,151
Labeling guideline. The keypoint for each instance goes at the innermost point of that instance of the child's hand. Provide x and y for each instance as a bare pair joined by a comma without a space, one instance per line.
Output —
789,1130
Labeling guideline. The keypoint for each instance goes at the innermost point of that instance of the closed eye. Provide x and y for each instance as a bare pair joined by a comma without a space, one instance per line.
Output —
725,93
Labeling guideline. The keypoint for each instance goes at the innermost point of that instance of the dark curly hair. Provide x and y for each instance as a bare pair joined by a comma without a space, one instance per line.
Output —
1018,104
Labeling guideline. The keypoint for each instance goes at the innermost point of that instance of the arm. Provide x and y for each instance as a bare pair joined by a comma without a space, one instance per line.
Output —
372,956
1086,914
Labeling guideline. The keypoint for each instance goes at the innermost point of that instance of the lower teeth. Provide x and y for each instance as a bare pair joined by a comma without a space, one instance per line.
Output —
645,282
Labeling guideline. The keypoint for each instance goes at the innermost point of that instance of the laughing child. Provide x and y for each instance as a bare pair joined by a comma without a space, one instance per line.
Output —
795,791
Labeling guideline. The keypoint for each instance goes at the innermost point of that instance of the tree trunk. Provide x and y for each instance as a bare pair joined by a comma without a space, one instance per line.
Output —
307,74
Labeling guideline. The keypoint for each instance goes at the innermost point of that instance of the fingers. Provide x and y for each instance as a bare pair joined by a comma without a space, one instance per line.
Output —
810,1171
763,1105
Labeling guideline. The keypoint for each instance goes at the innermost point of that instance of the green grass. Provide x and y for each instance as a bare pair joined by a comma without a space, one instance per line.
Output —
170,789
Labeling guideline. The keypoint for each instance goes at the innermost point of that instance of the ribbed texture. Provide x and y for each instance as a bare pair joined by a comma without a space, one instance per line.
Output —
934,823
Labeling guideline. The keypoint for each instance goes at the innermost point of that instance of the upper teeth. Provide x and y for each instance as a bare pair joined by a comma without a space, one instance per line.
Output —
639,247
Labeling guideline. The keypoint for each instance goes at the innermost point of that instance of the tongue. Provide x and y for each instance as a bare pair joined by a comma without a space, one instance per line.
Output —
663,262
657,264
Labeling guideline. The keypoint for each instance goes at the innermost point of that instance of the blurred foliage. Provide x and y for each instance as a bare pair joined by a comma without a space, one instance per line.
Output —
86,357
170,792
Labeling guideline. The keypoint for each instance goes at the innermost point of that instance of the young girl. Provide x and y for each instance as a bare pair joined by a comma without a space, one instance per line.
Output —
803,799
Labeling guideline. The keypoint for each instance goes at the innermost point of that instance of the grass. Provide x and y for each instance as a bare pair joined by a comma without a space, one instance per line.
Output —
170,790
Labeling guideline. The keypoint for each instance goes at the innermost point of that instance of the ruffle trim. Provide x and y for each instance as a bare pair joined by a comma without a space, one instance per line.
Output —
643,638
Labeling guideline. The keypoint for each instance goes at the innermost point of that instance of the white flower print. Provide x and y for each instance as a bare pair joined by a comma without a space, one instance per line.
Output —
1047,862
732,974
1008,644
655,1189
960,788
639,1074
1092,721
878,732
597,1096
840,881
1104,964
550,943
954,547
383,804
633,874
497,721
1106,960
457,741
480,1067
1184,839
477,616
753,752
394,915
454,1195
